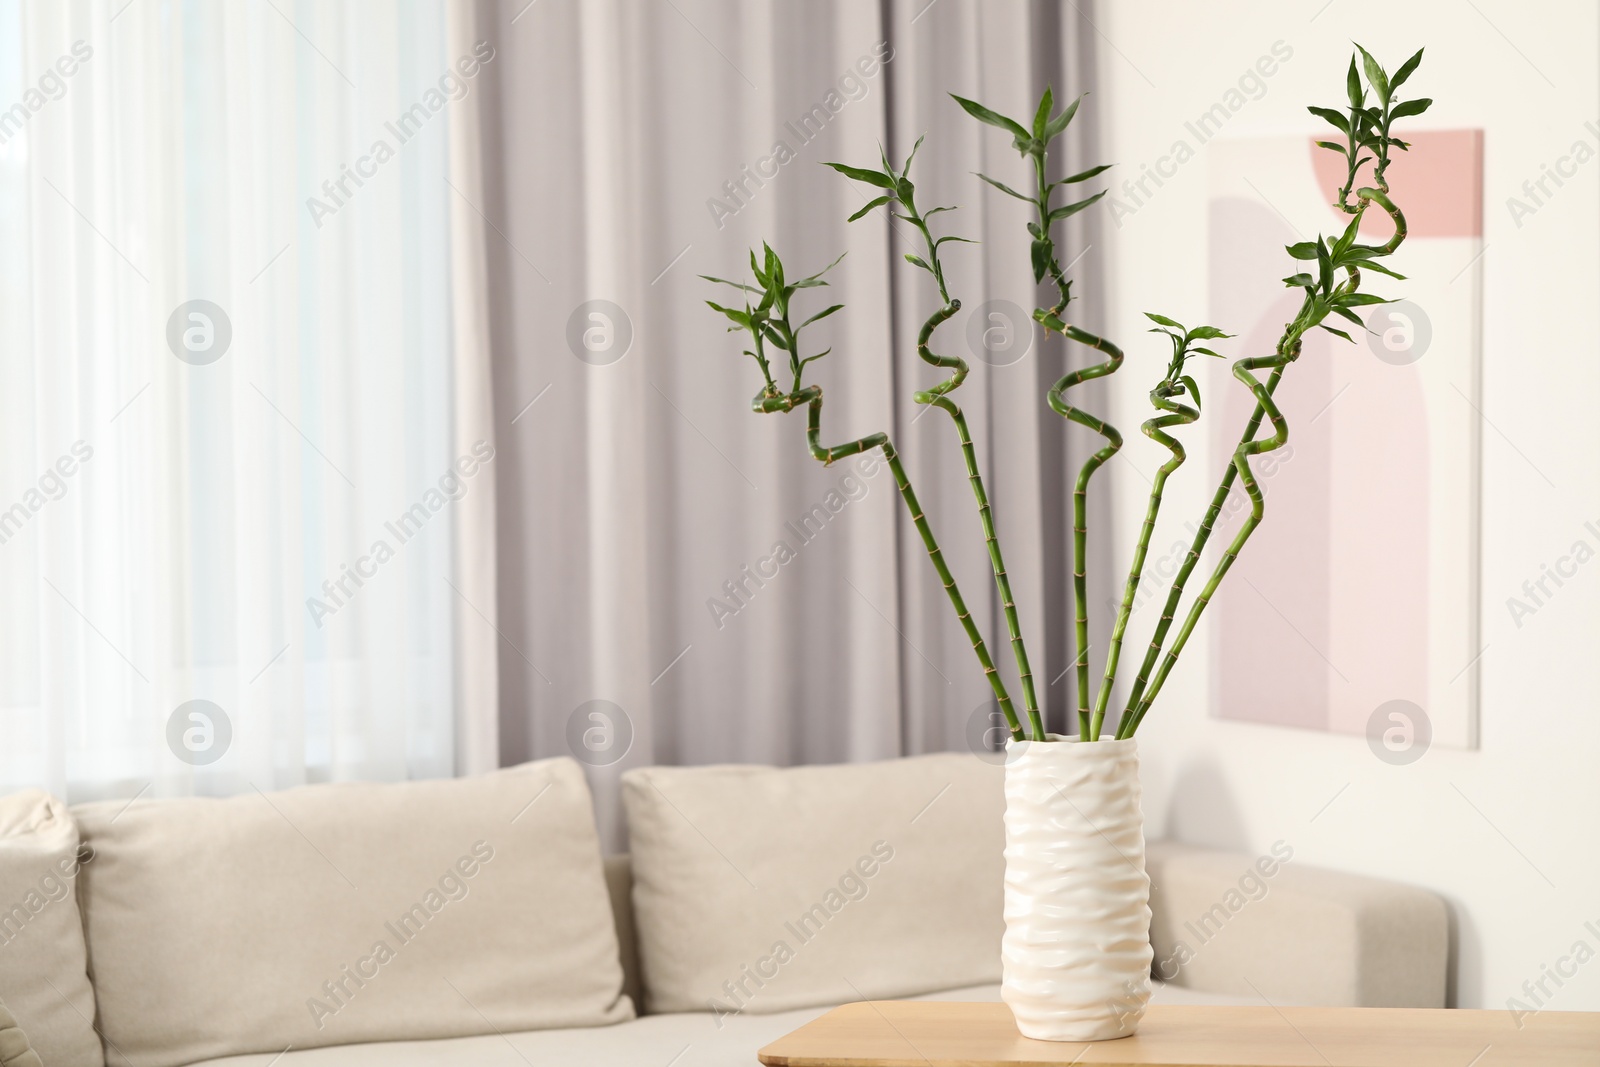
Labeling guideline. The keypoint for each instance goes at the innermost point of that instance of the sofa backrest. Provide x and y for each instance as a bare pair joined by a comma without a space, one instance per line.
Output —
1251,925
349,913
762,889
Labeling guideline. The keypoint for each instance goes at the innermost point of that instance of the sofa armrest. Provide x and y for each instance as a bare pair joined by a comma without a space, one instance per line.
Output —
619,882
1265,926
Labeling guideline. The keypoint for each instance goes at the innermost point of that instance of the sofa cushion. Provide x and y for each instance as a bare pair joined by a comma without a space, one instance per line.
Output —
683,1040
44,979
762,890
345,913
689,1039
15,1048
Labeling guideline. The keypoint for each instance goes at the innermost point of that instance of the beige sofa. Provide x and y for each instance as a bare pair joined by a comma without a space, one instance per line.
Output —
474,920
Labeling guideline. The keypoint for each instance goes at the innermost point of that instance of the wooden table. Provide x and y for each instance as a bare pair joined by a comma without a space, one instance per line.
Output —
899,1033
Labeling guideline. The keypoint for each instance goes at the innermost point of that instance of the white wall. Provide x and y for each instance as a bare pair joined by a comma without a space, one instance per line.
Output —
1535,780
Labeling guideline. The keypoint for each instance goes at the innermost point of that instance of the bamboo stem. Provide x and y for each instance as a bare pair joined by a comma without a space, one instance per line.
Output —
1080,495
811,396
1140,699
934,553
1180,415
1175,594
936,396
1241,463
1051,320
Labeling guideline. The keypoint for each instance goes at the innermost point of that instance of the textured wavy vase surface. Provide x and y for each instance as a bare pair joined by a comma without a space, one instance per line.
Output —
1076,953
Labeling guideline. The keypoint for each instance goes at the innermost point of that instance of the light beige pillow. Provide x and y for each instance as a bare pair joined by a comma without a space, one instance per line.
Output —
44,977
15,1049
345,913
758,889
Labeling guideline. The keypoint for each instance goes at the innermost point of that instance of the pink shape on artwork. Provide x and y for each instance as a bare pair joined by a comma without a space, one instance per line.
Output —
1325,615
1439,180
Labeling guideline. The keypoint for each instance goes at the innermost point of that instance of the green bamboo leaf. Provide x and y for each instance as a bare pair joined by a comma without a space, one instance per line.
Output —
907,168
879,202
1072,209
1194,389
1303,250
1033,228
736,285
1005,188
816,279
1375,76
918,261
1083,175
1324,265
1042,115
1347,238
824,313
740,317
1351,315
1339,148
1040,253
1405,71
1352,85
775,339
1381,269
1303,280
1362,299
1205,333
1163,320
813,359
983,114
932,211
953,237
1206,351
1061,121
1332,116
861,174
1410,108
1337,332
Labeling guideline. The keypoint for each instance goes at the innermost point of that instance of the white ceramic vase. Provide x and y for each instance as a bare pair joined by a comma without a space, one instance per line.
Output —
1076,953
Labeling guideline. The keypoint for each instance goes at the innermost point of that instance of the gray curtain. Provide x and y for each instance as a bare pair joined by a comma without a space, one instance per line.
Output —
630,147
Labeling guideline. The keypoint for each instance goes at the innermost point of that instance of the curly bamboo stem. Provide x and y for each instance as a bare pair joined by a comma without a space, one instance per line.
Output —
1179,415
811,396
936,396
1080,496
1140,699
1175,594
1242,370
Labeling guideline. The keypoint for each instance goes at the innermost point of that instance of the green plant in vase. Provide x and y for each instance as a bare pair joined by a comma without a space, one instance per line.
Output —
1331,286
1066,978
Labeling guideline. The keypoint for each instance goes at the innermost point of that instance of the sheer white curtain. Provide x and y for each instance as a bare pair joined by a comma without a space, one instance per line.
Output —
233,465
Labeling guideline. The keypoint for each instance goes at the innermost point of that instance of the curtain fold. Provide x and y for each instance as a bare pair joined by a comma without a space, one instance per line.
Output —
228,315
683,582
476,640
